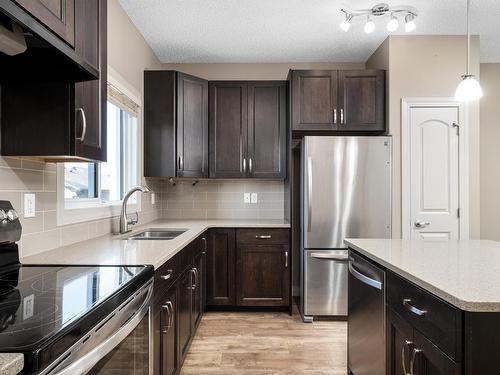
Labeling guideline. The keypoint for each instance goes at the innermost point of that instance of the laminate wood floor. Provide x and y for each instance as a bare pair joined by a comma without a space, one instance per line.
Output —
251,343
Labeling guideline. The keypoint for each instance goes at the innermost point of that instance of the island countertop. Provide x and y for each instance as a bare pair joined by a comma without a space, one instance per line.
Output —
466,274
118,250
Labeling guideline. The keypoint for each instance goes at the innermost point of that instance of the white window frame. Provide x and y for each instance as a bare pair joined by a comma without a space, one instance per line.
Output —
86,209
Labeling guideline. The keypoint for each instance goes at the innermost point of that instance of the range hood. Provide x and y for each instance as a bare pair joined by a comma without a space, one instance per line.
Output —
30,52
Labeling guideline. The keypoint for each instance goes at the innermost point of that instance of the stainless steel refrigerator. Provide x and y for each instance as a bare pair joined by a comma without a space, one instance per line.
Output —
345,193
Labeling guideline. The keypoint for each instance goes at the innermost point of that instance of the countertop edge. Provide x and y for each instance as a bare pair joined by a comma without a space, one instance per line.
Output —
11,363
467,306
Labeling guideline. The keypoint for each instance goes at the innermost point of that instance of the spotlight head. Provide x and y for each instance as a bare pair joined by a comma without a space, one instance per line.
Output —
410,23
369,26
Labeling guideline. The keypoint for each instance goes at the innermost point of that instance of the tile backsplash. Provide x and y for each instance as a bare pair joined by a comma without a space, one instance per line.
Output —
223,199
41,232
207,199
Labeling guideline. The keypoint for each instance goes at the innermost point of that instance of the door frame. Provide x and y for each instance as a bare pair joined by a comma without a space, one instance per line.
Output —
463,161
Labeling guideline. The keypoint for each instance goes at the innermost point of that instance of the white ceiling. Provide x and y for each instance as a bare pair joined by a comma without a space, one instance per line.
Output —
196,31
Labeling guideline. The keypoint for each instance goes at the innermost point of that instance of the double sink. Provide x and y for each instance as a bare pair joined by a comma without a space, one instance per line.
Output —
157,234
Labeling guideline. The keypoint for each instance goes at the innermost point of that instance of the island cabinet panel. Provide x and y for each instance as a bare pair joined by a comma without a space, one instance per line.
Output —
399,337
221,267
436,319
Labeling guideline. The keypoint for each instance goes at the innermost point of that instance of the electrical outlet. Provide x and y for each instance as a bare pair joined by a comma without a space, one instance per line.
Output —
153,198
246,197
29,204
254,198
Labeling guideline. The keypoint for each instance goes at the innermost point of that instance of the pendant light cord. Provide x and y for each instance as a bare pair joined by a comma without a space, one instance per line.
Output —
468,39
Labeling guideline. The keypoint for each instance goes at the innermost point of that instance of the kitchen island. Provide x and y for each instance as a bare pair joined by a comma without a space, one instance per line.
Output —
442,304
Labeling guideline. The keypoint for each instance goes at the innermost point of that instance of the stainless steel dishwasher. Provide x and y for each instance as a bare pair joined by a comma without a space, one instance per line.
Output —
366,317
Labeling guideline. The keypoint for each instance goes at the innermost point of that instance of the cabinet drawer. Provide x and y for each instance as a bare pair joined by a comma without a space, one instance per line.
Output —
436,319
262,236
166,275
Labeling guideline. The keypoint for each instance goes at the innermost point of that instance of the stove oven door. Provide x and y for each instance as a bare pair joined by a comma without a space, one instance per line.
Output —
119,344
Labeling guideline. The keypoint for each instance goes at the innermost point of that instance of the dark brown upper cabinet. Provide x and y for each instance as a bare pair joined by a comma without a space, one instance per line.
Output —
361,98
60,121
247,129
175,125
343,101
314,100
91,96
51,31
57,15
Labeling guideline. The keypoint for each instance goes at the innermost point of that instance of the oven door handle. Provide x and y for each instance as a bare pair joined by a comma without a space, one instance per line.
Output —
88,361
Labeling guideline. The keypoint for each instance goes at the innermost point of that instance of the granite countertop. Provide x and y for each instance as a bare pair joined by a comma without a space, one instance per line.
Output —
464,273
116,250
11,363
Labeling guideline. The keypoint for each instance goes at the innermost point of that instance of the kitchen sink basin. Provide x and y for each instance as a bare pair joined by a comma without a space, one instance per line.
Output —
157,234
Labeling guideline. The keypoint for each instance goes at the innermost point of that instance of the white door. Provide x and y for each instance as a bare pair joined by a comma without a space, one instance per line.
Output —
434,172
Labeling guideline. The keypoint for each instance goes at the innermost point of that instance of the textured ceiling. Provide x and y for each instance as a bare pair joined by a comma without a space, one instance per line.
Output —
196,31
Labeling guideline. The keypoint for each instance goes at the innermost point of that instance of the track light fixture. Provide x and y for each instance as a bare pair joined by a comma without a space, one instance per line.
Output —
409,13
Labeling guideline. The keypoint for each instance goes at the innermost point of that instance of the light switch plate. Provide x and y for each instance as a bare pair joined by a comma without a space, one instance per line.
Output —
29,204
153,198
246,197
254,198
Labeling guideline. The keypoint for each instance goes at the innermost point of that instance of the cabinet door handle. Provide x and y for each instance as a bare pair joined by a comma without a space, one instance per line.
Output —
84,124
170,311
181,163
412,360
195,274
168,275
250,165
264,237
335,115
413,309
341,115
244,165
406,345
286,259
204,244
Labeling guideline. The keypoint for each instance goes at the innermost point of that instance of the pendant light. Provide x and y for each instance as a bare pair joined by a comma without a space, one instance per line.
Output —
469,89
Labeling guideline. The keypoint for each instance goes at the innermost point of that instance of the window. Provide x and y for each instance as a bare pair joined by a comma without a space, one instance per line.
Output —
102,186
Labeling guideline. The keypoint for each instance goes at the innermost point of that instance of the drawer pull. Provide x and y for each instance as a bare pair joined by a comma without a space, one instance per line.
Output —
413,309
168,275
406,345
264,237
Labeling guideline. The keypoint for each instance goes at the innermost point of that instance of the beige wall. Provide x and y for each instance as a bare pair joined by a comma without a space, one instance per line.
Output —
129,55
428,66
128,52
490,152
277,71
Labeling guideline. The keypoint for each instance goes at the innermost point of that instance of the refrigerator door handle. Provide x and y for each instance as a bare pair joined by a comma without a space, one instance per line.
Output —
363,278
309,192
335,258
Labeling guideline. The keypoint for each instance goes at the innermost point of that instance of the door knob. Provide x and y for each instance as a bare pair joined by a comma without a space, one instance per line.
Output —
421,224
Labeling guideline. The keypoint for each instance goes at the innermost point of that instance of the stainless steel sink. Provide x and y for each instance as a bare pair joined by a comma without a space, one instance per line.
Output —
157,234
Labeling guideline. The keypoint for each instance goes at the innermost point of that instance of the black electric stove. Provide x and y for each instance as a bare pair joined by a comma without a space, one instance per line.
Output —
45,310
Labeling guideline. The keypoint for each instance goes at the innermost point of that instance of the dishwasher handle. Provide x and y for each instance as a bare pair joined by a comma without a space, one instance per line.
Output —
363,278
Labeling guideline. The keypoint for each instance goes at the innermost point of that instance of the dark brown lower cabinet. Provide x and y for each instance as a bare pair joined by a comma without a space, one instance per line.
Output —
199,282
263,275
185,306
248,267
400,343
221,255
168,332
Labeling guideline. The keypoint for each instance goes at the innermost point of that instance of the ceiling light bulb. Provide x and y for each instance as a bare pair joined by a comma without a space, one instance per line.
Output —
393,24
469,89
346,23
410,23
369,26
